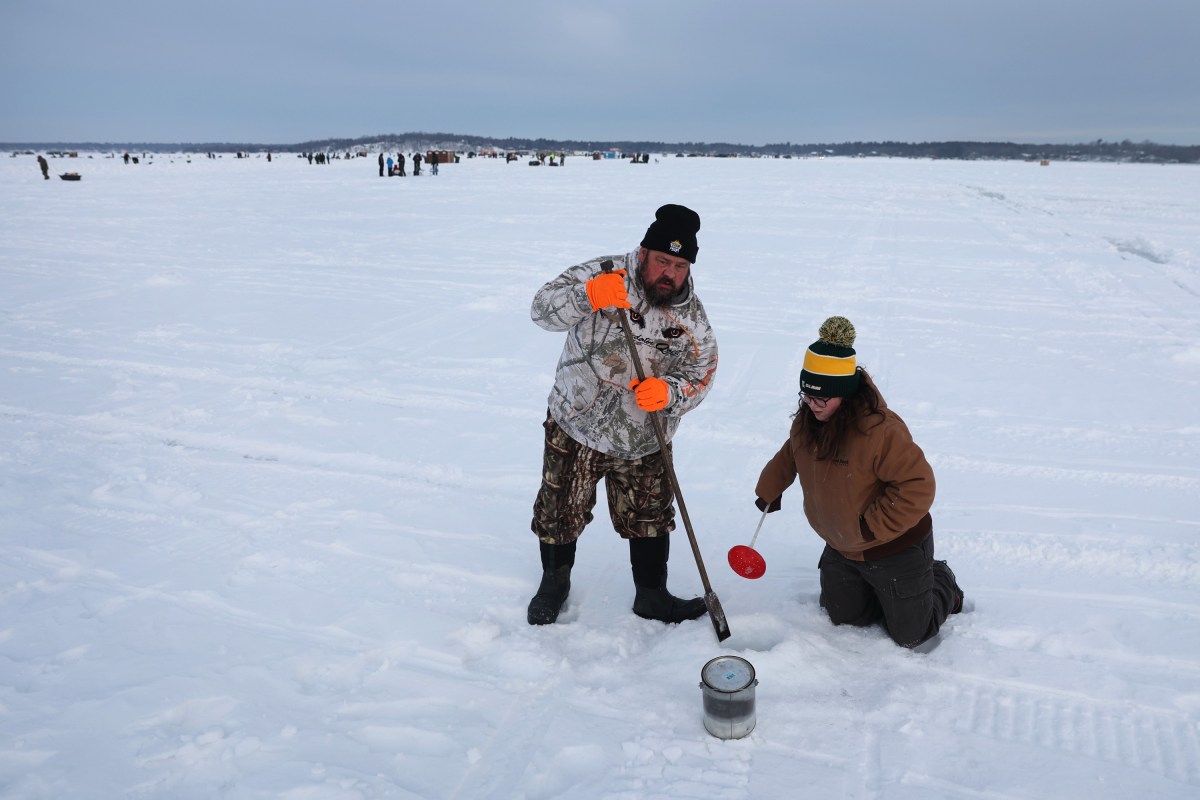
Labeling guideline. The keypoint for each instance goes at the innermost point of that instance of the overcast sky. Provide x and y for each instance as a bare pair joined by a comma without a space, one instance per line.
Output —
288,71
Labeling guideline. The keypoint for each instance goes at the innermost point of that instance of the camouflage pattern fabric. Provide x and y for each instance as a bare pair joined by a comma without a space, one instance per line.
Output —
639,493
591,399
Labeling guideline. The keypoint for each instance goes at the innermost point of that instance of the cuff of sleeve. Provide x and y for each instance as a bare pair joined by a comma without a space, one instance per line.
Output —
775,504
865,530
582,300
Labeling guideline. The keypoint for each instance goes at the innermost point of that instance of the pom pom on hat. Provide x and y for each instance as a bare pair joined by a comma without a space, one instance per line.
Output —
837,330
674,232
830,367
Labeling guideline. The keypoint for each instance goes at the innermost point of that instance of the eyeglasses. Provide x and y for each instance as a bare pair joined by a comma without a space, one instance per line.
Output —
815,402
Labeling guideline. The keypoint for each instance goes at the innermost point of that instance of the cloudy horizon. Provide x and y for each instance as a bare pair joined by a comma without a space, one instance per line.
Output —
669,71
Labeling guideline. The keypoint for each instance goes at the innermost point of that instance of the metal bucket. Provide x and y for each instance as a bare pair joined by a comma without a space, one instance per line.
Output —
728,685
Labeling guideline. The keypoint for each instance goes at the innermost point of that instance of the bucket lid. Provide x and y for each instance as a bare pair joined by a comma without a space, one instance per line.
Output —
727,674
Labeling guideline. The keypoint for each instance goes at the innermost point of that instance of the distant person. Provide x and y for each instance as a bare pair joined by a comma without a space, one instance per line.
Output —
45,167
400,164
126,156
416,164
867,492
434,158
381,165
389,166
268,158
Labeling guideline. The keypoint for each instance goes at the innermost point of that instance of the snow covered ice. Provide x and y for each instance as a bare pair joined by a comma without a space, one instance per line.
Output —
270,435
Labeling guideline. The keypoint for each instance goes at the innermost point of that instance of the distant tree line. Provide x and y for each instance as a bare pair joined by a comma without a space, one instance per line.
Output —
1099,150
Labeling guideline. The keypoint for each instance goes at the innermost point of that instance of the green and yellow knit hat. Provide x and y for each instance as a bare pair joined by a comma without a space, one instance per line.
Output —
830,369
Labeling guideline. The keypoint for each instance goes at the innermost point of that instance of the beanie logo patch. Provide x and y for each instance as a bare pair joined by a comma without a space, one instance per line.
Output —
675,246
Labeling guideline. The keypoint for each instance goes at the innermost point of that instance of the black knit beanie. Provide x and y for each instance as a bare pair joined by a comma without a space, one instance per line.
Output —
674,232
830,368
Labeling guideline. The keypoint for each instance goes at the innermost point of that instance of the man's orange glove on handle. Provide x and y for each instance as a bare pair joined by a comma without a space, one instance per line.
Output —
652,394
608,289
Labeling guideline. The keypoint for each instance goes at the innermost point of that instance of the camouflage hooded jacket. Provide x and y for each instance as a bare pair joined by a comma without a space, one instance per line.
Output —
591,399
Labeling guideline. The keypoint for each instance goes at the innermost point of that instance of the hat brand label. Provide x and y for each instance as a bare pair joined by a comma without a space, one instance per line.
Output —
676,246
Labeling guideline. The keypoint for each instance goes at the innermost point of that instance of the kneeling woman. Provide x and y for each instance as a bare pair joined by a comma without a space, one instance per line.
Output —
867,492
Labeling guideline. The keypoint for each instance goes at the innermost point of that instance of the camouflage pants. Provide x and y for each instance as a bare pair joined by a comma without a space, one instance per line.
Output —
640,502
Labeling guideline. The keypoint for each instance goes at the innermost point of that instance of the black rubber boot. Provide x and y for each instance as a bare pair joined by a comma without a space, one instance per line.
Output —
557,560
648,557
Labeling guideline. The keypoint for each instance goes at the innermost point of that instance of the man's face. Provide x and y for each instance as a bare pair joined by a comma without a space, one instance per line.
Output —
663,275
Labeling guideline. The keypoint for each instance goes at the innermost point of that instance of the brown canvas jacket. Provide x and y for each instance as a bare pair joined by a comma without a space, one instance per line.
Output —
876,490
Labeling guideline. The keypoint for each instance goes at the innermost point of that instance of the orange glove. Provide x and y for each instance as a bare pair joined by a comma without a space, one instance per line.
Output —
608,289
651,394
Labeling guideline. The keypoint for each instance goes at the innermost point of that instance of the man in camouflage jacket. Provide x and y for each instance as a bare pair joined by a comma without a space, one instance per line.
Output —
598,424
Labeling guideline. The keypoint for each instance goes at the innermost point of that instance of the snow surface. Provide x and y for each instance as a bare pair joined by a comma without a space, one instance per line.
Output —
270,435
